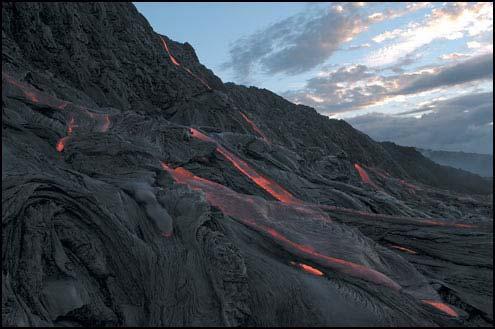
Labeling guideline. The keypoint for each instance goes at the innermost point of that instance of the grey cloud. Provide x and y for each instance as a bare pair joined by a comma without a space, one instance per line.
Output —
352,87
457,124
296,44
476,68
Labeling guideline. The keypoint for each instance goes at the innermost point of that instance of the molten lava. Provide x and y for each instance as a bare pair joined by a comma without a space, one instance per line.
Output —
308,268
61,143
172,58
364,175
70,129
249,210
442,307
37,97
409,251
33,95
268,185
176,63
255,128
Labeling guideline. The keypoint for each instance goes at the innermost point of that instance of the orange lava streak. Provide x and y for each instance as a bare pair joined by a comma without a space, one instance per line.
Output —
243,208
172,58
308,268
255,128
198,78
35,96
441,306
268,185
176,63
364,175
410,251
61,143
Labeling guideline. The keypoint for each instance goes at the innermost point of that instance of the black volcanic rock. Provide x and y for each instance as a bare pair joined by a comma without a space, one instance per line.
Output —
139,190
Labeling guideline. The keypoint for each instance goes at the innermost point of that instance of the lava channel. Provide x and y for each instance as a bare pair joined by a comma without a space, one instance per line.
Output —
364,175
70,129
255,128
249,210
308,268
176,63
441,307
277,191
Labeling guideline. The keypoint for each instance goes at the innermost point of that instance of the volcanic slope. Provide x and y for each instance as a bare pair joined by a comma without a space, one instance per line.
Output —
139,190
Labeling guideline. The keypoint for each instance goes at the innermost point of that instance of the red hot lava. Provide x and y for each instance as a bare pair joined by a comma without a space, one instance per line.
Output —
267,184
255,128
172,58
176,63
37,97
308,268
70,129
249,210
364,175
442,307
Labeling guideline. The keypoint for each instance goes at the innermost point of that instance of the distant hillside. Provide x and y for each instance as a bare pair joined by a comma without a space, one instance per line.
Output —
428,172
481,164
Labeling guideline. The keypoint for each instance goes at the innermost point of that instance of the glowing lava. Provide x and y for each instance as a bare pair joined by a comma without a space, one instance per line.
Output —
308,268
176,63
61,143
249,209
255,128
268,185
409,251
37,97
70,129
364,175
441,306
172,58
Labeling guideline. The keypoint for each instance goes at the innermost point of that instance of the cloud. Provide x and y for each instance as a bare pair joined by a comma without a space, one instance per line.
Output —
453,56
476,68
462,123
452,21
352,87
304,41
296,44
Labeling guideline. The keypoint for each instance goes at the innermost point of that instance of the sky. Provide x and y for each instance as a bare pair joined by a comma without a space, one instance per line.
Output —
417,74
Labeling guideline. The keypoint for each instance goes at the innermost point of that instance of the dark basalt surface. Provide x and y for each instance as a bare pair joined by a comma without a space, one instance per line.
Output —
139,190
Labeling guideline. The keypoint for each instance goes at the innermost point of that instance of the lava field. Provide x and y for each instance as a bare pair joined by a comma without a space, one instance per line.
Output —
140,190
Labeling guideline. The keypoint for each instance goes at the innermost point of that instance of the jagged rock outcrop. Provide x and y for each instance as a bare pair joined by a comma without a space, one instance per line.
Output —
139,190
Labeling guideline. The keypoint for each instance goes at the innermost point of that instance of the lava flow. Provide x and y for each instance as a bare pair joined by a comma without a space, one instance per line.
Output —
176,63
172,58
308,268
364,175
409,251
284,196
250,210
40,98
442,307
70,129
277,191
255,128
35,96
